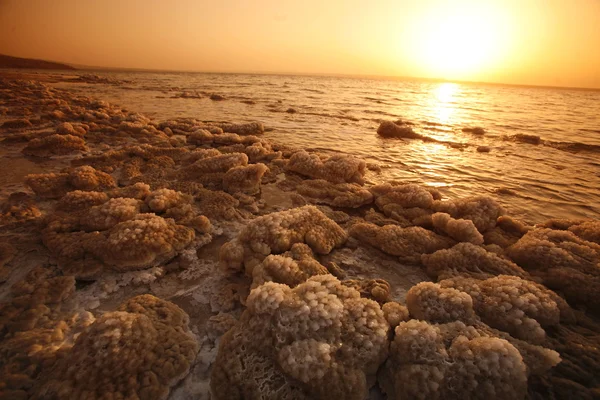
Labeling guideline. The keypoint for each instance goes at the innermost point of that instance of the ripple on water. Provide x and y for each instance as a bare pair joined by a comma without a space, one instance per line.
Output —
548,140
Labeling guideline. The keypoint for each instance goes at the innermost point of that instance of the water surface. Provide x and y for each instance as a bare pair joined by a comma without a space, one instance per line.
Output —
558,178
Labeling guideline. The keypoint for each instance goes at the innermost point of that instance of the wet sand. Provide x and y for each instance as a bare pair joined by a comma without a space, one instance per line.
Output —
100,205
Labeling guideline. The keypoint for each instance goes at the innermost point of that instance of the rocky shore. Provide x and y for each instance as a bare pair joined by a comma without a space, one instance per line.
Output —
184,259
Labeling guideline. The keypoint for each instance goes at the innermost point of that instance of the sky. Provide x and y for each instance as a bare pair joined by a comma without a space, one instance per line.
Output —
534,42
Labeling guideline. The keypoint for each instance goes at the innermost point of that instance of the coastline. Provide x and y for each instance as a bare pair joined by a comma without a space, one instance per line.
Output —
116,171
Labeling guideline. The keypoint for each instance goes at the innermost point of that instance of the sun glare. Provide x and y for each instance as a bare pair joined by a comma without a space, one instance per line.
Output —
461,40
442,98
444,93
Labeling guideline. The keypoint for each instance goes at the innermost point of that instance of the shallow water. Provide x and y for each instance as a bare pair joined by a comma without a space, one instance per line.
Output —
558,178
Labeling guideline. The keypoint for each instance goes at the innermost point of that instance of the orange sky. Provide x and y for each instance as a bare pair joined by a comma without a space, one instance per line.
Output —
542,42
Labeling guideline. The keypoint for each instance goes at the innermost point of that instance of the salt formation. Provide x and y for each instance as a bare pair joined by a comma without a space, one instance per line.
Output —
109,214
407,243
52,186
286,270
251,128
506,233
17,124
335,194
564,261
438,362
78,200
319,340
468,260
389,129
140,351
395,313
19,207
544,249
66,128
441,305
277,232
291,268
99,232
461,230
409,195
177,205
514,305
587,230
217,204
255,148
200,137
476,130
164,200
409,204
244,179
335,169
374,289
54,145
482,210
34,331
144,241
211,165
379,219
261,151
449,353
431,302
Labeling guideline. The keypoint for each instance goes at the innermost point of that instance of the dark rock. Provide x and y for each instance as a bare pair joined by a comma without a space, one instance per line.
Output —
477,130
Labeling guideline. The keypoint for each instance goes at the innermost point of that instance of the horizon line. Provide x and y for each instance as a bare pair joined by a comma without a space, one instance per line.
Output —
334,75
317,74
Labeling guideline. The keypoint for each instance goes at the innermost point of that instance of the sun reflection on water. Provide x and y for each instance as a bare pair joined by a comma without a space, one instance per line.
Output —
445,92
443,101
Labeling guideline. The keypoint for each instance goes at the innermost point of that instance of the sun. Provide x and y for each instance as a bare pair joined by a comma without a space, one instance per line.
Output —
461,40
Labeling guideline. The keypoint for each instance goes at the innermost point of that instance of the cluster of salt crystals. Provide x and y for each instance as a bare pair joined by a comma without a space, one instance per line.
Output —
277,232
421,367
427,301
318,331
56,185
587,230
407,196
145,337
109,214
448,350
394,313
335,169
306,360
461,230
335,194
250,128
80,200
283,269
468,259
407,243
145,238
216,164
161,200
514,305
244,179
563,261
66,128
483,211
54,145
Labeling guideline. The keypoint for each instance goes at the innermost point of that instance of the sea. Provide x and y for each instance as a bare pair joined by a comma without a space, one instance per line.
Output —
539,155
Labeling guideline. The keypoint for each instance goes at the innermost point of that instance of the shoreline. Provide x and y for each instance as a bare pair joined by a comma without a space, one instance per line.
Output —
217,210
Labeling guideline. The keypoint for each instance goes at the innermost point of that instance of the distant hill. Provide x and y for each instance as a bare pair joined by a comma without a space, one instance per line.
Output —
29,63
